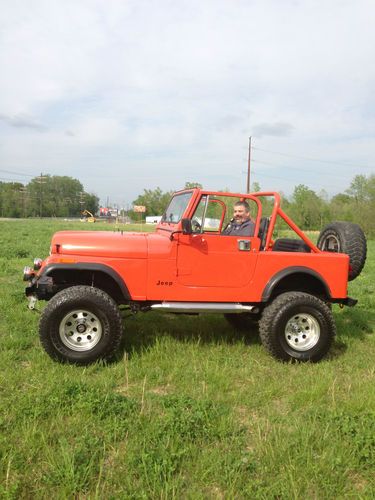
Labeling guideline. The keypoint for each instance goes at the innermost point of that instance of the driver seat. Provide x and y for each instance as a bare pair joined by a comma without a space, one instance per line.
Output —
263,230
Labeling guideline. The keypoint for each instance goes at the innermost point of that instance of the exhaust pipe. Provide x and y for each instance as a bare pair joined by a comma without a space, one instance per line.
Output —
203,307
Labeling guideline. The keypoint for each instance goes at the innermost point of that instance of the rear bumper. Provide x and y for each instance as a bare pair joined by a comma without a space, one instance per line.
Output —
348,301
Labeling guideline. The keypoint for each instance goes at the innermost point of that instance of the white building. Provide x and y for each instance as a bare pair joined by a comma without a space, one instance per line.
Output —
153,219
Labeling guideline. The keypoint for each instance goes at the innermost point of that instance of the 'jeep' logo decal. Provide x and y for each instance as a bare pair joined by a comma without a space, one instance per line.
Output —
164,283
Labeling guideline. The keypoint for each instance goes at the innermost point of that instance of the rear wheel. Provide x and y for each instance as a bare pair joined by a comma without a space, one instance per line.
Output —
81,324
297,326
345,237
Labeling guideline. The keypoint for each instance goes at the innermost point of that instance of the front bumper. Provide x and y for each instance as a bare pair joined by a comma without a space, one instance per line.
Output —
40,287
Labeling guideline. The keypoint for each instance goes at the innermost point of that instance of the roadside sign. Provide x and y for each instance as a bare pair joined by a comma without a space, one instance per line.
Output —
139,208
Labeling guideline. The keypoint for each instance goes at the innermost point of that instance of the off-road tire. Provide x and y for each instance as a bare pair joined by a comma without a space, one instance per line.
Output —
297,326
345,237
243,322
83,309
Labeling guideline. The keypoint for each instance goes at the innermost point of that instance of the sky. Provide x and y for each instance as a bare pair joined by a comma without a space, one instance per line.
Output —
127,95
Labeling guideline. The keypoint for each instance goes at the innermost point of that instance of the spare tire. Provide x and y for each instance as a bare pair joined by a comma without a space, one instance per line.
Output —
345,237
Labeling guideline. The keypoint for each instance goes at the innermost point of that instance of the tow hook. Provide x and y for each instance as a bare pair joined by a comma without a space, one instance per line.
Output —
32,302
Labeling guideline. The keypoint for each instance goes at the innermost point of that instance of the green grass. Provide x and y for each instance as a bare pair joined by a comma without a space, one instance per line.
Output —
190,409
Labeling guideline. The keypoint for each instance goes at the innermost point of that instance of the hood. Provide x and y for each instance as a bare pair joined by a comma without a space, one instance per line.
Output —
100,244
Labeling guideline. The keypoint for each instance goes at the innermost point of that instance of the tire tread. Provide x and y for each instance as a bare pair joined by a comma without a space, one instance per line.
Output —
353,243
272,312
72,295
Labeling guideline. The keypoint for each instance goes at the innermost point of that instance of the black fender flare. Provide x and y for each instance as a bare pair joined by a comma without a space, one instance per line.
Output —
89,266
276,278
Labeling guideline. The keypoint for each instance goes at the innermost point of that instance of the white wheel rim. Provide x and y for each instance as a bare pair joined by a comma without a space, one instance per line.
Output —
302,332
331,244
80,330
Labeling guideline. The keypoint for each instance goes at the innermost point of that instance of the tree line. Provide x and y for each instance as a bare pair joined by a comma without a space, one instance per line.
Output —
309,210
46,196
62,196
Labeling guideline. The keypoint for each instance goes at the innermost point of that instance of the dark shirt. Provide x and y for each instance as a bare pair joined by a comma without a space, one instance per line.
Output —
246,228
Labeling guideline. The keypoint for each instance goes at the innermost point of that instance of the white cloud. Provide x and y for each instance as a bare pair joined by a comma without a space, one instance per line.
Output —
126,86
278,129
22,121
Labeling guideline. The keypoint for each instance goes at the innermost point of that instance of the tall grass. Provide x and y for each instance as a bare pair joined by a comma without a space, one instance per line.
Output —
191,408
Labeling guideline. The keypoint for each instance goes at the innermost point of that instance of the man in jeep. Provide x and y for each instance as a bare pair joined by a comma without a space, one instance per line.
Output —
240,224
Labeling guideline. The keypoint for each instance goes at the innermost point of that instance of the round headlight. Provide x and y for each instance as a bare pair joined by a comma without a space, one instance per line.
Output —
28,273
37,264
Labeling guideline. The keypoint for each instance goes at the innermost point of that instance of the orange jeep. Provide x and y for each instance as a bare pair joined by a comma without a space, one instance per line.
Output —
189,266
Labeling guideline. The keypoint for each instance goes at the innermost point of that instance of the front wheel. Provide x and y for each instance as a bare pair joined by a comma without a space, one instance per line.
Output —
81,325
297,326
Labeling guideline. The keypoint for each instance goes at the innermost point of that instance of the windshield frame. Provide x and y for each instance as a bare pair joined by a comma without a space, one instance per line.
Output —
179,204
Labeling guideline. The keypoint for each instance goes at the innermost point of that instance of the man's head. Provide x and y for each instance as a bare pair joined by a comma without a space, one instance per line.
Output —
241,212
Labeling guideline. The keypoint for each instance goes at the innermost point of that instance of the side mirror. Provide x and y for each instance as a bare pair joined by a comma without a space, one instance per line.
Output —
186,226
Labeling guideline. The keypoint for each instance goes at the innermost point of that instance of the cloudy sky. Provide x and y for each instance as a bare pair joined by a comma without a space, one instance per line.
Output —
133,94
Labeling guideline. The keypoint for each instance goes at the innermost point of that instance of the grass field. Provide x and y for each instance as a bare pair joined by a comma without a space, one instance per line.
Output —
191,408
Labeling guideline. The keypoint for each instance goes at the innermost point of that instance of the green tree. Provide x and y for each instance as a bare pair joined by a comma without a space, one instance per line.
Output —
341,207
58,196
255,187
192,185
91,202
308,210
358,189
362,201
154,200
49,196
11,199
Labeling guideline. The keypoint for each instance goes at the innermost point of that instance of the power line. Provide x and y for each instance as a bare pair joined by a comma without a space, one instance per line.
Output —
313,159
261,174
297,168
16,173
10,180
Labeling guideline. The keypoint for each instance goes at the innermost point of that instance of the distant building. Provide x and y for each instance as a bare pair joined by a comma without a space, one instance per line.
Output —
108,212
153,219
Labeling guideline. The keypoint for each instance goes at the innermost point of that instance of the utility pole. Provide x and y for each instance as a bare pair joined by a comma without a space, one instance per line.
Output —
82,200
248,168
23,192
41,180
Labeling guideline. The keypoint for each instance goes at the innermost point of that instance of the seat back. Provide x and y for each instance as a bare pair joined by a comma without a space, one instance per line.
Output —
263,229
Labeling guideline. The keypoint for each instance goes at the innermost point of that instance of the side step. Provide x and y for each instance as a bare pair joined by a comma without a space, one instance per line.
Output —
203,307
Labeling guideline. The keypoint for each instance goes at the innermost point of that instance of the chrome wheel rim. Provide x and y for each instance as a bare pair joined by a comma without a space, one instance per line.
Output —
302,332
80,330
331,244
